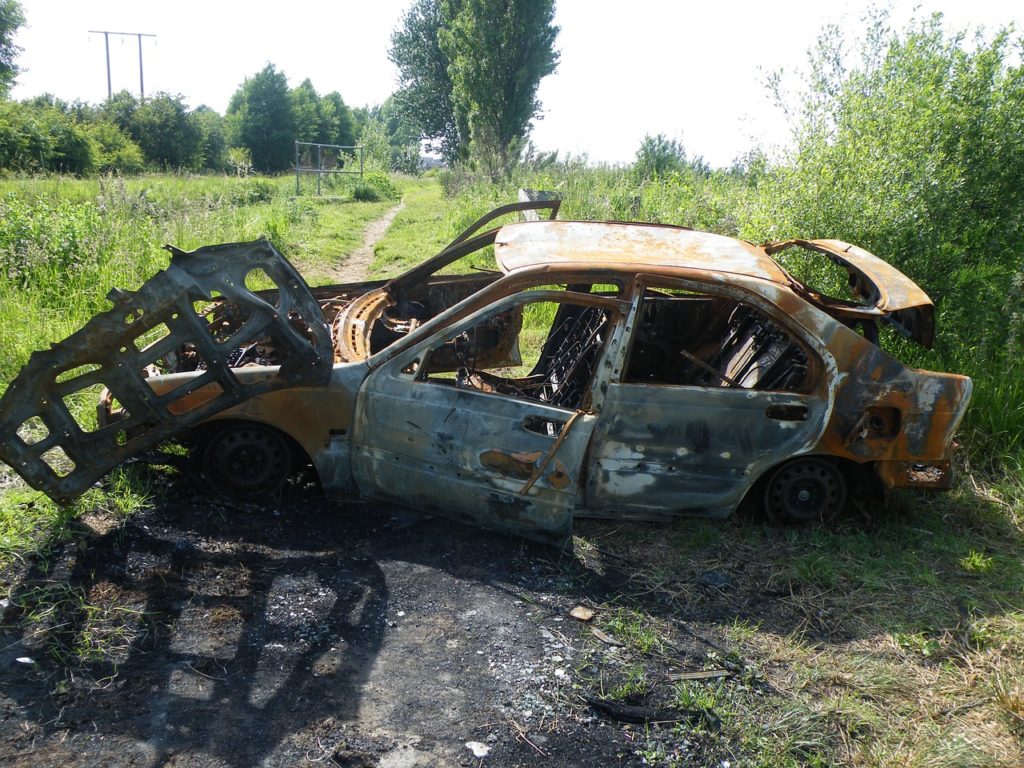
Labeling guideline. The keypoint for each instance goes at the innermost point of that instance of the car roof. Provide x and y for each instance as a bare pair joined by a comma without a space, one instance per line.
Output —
635,247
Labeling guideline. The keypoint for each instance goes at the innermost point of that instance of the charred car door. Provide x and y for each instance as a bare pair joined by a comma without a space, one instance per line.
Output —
502,448
714,390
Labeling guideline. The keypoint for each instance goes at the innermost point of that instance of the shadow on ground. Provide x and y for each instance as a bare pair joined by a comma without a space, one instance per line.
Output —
204,634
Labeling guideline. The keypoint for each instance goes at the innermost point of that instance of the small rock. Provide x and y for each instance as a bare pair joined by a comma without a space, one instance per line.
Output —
478,748
582,613
25,660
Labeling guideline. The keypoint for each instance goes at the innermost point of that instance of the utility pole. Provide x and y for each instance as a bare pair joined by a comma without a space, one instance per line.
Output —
106,43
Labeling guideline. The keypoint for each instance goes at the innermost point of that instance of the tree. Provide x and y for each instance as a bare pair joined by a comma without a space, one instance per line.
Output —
336,120
114,151
214,142
43,136
658,157
120,110
11,18
425,87
913,147
306,112
260,116
169,136
498,52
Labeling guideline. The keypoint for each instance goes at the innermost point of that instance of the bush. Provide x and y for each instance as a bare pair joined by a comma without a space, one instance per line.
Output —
916,151
42,137
375,186
364,193
115,152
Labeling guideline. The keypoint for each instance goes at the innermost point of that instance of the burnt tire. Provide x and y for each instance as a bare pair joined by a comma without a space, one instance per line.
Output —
246,460
804,491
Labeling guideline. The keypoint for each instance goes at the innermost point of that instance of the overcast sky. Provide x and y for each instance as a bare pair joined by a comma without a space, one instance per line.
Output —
692,70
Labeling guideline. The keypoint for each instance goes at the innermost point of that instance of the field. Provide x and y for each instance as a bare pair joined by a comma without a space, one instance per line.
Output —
145,610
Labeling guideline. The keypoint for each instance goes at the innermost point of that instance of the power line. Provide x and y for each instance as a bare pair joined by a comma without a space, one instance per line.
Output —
106,42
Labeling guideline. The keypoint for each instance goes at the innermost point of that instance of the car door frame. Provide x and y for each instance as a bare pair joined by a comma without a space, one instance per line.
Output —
666,449
469,454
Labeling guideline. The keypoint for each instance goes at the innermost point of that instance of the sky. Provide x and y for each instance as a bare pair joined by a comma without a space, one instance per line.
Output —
693,71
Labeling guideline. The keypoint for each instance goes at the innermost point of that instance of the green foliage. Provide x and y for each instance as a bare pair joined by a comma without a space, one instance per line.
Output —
240,159
114,152
365,193
305,105
469,71
170,137
658,157
11,18
498,52
376,148
336,126
425,92
214,141
915,151
403,138
261,119
382,184
43,137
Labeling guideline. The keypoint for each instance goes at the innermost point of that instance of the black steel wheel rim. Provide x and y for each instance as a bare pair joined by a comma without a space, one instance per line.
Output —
247,460
804,491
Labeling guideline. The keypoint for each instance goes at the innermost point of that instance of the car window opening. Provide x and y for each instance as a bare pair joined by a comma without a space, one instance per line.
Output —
557,345
692,339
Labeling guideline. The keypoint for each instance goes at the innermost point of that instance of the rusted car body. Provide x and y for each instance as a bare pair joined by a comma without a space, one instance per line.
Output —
602,369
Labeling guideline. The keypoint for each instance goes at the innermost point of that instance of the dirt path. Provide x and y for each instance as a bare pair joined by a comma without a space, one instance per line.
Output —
355,268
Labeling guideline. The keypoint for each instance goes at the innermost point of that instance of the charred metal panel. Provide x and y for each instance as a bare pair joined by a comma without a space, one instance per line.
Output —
496,460
468,454
151,329
887,411
660,449
878,284
642,247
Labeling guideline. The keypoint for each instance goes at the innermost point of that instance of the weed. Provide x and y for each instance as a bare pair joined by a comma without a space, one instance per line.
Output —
633,628
631,686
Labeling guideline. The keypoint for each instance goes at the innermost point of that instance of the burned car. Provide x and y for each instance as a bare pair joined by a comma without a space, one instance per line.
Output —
600,369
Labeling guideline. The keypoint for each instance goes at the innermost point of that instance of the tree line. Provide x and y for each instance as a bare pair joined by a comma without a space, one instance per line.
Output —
126,134
468,75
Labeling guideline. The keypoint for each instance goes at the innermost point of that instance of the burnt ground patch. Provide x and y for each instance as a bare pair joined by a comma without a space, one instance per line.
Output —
299,632
209,634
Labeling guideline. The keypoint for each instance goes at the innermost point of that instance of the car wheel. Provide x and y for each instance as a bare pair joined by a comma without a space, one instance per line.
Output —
805,491
246,460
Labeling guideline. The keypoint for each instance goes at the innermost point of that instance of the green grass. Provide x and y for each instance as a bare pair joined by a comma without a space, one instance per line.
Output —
894,643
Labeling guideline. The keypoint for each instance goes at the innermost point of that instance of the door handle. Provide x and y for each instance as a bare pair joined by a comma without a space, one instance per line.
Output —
787,412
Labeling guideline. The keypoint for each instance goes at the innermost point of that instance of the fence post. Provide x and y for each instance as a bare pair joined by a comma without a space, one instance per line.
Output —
296,169
319,168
